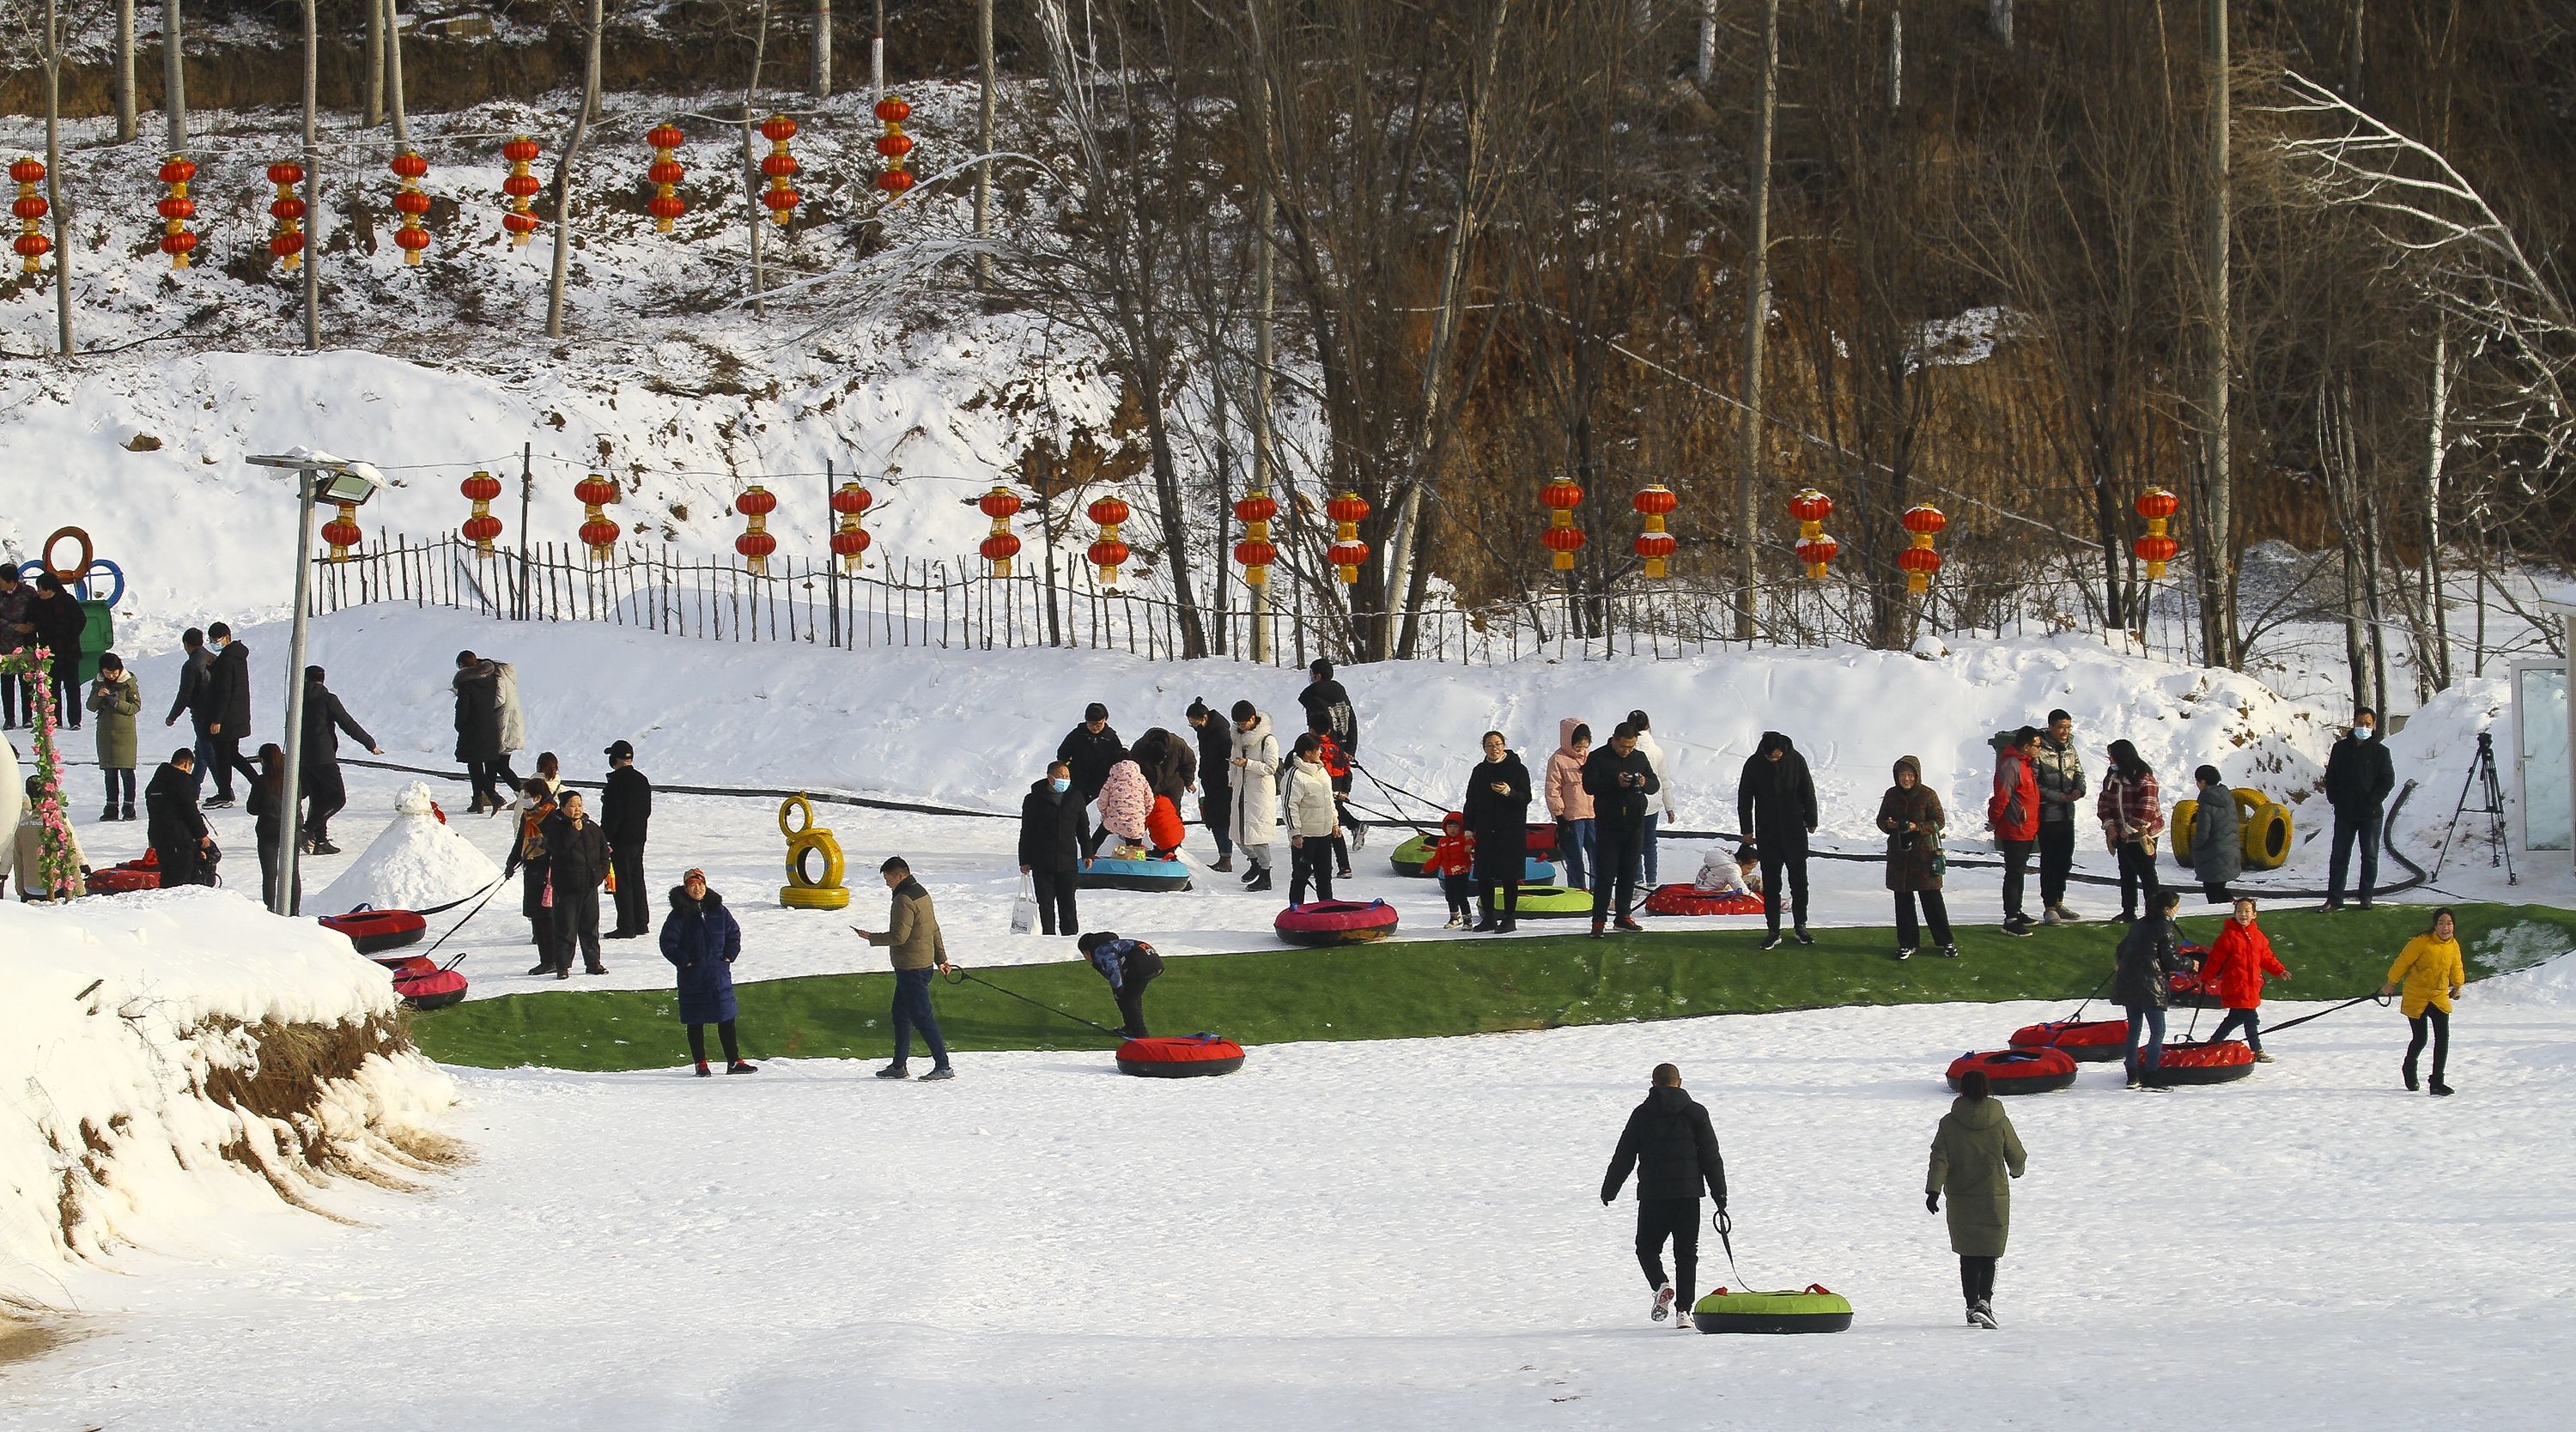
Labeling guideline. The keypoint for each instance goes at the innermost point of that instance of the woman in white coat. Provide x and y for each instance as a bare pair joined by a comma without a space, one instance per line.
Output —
1314,818
1255,806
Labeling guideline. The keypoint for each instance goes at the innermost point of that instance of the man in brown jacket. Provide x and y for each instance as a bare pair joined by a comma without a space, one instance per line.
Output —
913,943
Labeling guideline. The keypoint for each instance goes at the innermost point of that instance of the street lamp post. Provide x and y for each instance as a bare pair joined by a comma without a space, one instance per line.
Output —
317,475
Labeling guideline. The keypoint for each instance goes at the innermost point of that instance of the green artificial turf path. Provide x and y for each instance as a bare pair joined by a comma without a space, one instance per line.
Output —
1412,989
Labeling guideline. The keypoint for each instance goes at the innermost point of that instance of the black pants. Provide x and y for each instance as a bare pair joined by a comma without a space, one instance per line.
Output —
2016,872
1311,857
1055,902
1509,890
10,687
270,858
724,1035
1216,812
1461,890
2217,894
1677,1219
325,796
1341,843
490,778
127,776
182,865
67,710
634,912
912,1011
542,932
1936,913
2440,1019
1092,838
1131,1006
2138,875
2253,1023
2056,858
2361,827
227,758
576,923
1795,867
1976,1278
1618,853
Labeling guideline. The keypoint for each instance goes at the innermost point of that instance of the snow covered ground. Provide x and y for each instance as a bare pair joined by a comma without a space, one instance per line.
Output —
1399,1235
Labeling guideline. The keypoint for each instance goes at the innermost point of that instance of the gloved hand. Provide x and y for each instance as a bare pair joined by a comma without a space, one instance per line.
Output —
1931,1203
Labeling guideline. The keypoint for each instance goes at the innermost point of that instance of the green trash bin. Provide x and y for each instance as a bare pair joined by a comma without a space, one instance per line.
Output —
98,637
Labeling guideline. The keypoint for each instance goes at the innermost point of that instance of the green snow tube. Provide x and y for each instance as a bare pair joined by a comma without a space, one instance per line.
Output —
1539,902
1811,1310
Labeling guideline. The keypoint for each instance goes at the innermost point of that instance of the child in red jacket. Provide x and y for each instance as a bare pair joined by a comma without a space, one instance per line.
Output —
1451,860
2233,972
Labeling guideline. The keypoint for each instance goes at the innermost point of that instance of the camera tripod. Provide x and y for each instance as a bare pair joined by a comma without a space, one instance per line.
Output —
2482,774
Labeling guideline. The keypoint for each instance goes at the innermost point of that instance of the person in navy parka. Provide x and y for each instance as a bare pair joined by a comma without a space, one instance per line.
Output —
701,938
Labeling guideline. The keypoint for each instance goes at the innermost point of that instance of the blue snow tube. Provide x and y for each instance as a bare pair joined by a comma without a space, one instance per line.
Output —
1107,874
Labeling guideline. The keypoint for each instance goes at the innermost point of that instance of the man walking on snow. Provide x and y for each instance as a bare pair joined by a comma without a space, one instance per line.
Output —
227,712
1669,1143
913,943
2358,777
324,791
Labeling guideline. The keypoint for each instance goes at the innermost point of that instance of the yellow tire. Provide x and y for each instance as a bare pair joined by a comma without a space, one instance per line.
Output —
2267,838
2178,830
815,842
806,897
800,805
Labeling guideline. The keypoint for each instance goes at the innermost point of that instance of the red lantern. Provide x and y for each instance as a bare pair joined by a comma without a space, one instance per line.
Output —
1816,551
1920,561
343,532
176,209
999,548
1811,508
1254,510
521,186
779,165
894,145
31,245
1348,551
755,544
666,173
2155,549
850,542
1108,554
1256,558
482,527
1561,537
1655,545
597,532
287,243
411,203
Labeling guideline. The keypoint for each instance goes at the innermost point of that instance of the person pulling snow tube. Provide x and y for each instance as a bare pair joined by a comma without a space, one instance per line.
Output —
2092,1041
372,930
1108,873
2213,1061
1812,1309
1197,1056
1684,898
1335,922
2017,1071
1540,902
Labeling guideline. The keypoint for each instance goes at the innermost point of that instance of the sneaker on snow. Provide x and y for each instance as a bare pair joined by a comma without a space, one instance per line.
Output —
704,1072
2262,1058
894,1071
1982,1313
1972,1315
2441,1091
108,814
1663,1307
738,1067
543,970
218,803
1802,936
1631,926
942,1072
324,847
2050,916
1343,874
1482,927
1771,941
1948,952
2065,913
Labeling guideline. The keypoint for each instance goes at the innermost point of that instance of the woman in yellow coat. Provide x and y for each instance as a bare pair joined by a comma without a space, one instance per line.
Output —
2428,976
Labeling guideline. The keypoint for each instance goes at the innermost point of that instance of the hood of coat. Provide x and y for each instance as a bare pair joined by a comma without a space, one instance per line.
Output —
1668,1099
1976,1114
1260,732
1904,764
1565,735
1774,741
681,904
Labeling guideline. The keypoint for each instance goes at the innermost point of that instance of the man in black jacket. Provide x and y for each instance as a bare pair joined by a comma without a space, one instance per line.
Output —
59,622
1669,1143
2358,777
1216,779
175,827
625,808
1324,698
1775,804
227,712
1090,749
191,700
579,852
319,762
1051,831
1618,777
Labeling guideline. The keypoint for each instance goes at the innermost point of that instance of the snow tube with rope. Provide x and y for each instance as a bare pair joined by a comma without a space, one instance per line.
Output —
144,874
1543,902
1104,873
2017,1071
371,929
1335,922
1410,857
2183,988
1196,1057
1812,1309
2089,1042
2219,1061
1688,899
436,989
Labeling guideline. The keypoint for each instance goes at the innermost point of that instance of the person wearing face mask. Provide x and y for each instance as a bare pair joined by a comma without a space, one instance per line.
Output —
2358,777
1051,829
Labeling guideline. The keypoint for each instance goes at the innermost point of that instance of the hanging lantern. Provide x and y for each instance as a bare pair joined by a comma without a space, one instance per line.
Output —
1919,561
755,544
779,166
1561,537
521,186
597,532
482,527
1255,552
1348,551
287,243
1108,554
343,532
850,541
176,209
1811,508
894,144
666,175
411,203
31,245
2155,549
1655,544
1002,546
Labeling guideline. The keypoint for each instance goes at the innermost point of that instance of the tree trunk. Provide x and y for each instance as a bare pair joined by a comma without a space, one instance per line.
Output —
2433,658
379,19
54,179
174,77
984,144
313,194
124,70
1757,307
823,48
2213,533
563,178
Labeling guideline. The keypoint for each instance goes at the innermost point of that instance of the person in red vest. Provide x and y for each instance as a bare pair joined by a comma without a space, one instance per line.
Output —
2013,811
2233,971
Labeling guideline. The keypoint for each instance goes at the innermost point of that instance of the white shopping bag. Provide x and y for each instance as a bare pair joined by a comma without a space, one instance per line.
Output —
1024,910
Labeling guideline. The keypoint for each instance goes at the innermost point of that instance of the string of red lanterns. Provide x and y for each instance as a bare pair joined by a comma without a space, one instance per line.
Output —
1003,545
755,544
666,173
1920,561
2155,549
1348,551
780,166
482,527
1811,508
597,532
894,145
521,186
31,244
1562,537
1254,510
287,243
850,540
411,203
176,209
1108,553
1655,544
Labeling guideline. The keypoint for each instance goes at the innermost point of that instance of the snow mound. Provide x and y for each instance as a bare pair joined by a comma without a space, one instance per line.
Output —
415,864
156,1048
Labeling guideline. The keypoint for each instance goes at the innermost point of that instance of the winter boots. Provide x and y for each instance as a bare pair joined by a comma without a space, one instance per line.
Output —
1260,880
1981,1314
1224,865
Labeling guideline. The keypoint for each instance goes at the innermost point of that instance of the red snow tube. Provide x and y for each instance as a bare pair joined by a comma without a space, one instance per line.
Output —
373,930
1195,1057
2090,1042
1687,899
2220,1061
144,874
1335,922
2018,1071
436,989
1541,839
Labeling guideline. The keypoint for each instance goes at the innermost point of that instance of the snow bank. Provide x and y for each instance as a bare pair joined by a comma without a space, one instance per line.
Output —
181,1056
415,864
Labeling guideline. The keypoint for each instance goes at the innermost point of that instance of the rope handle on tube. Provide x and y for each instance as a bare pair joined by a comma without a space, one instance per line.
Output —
962,977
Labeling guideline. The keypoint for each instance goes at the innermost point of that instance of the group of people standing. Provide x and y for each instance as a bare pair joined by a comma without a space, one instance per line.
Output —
40,614
563,857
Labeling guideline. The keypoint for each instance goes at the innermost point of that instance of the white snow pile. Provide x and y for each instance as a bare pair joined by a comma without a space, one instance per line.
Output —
416,863
155,1050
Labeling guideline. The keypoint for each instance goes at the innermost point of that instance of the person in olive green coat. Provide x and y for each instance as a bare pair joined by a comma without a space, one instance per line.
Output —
1975,1157
116,696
